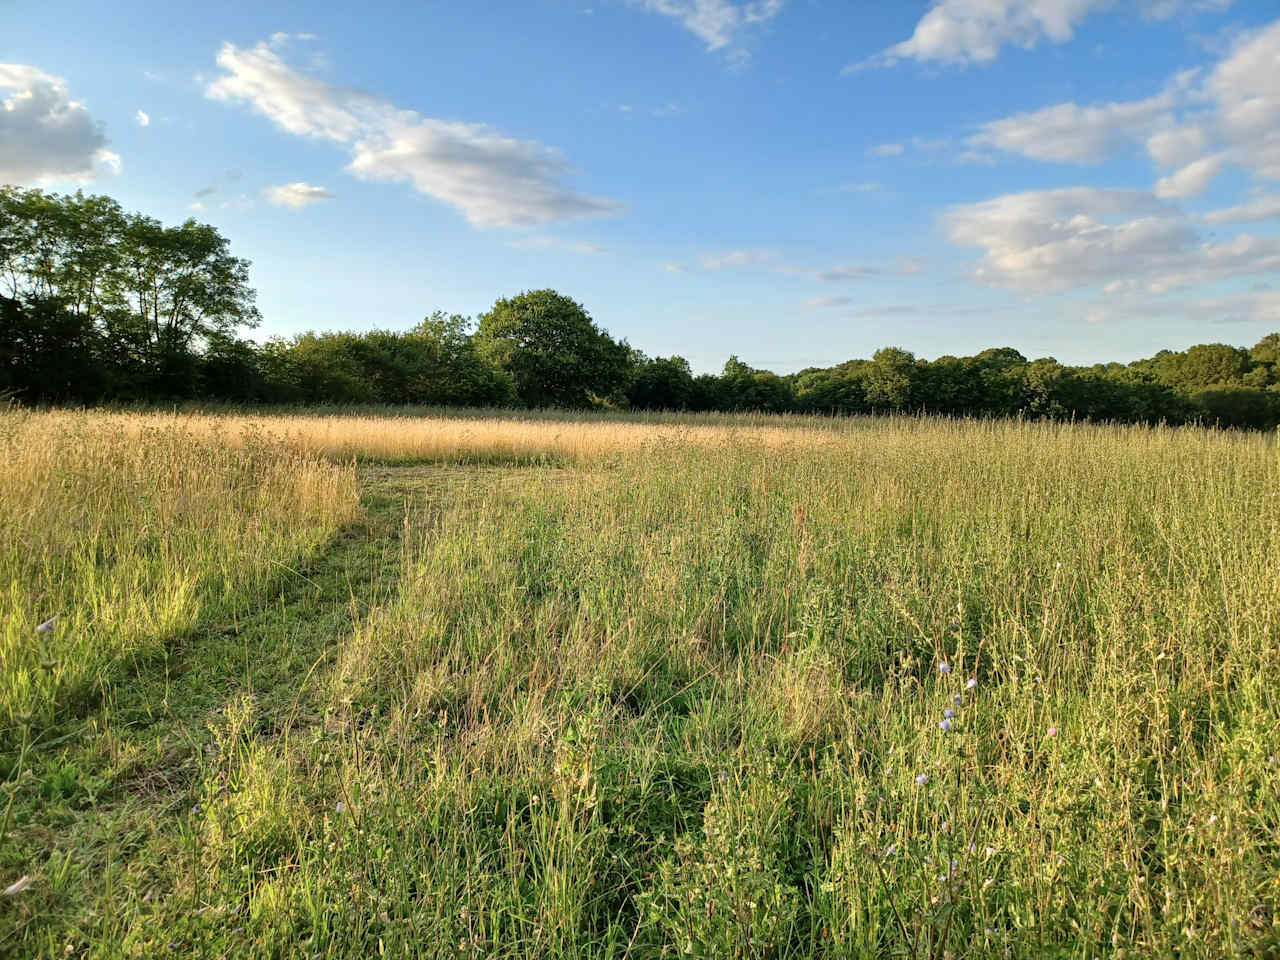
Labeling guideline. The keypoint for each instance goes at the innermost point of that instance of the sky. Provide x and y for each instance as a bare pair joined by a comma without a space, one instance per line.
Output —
795,182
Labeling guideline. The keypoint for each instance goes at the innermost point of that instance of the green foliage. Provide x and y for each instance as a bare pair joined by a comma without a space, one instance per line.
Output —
553,350
99,304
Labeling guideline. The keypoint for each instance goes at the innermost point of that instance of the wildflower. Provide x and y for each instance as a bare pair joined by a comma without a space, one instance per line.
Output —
990,851
945,725
988,931
973,848
944,667
973,682
948,713
341,807
957,699
723,776
196,809
893,848
1037,678
922,779
1053,731
47,625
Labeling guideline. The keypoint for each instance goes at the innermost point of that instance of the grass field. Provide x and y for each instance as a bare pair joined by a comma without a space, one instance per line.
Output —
457,686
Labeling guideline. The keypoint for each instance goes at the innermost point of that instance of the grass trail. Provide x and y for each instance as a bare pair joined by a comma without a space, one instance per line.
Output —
98,807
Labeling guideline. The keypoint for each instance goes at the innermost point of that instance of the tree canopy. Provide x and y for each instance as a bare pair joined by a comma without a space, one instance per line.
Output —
98,304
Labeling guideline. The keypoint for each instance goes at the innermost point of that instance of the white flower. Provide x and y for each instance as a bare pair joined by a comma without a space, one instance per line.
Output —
944,668
341,807
973,682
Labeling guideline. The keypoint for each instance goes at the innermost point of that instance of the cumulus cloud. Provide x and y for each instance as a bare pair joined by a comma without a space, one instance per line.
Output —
965,32
1245,87
493,179
1049,241
46,136
717,23
295,196
1194,128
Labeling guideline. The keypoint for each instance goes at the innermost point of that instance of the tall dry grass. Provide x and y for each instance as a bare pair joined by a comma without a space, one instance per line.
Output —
126,532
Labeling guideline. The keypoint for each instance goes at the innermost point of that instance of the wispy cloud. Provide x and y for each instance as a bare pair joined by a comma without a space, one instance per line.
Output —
295,196
720,24
962,32
142,119
495,180
738,258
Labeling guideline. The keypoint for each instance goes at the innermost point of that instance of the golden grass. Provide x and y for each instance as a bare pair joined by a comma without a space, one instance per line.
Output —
128,531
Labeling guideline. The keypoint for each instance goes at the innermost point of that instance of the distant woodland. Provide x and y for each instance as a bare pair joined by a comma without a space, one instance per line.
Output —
99,305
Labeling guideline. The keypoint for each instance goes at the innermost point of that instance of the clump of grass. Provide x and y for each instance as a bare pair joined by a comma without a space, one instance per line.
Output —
118,541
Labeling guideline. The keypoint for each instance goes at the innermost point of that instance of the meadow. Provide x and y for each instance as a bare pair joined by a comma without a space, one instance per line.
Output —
433,684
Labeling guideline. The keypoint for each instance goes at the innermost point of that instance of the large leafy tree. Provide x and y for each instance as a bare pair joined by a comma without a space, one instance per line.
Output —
553,350
147,300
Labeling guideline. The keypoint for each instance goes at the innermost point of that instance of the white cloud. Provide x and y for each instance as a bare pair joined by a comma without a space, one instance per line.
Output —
1068,133
738,258
975,31
1255,211
912,265
142,119
295,196
46,136
493,179
717,23
1258,306
1178,146
1049,241
1197,126
1191,180
1246,90
887,150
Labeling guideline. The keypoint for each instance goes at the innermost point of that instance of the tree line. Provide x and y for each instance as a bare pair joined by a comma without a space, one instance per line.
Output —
101,305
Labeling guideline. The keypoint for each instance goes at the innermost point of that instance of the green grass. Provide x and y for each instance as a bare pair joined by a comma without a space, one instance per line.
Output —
676,701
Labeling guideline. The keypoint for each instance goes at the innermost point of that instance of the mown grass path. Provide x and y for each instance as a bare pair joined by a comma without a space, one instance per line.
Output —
95,809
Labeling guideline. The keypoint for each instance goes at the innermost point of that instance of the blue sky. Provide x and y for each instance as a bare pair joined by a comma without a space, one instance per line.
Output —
797,182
